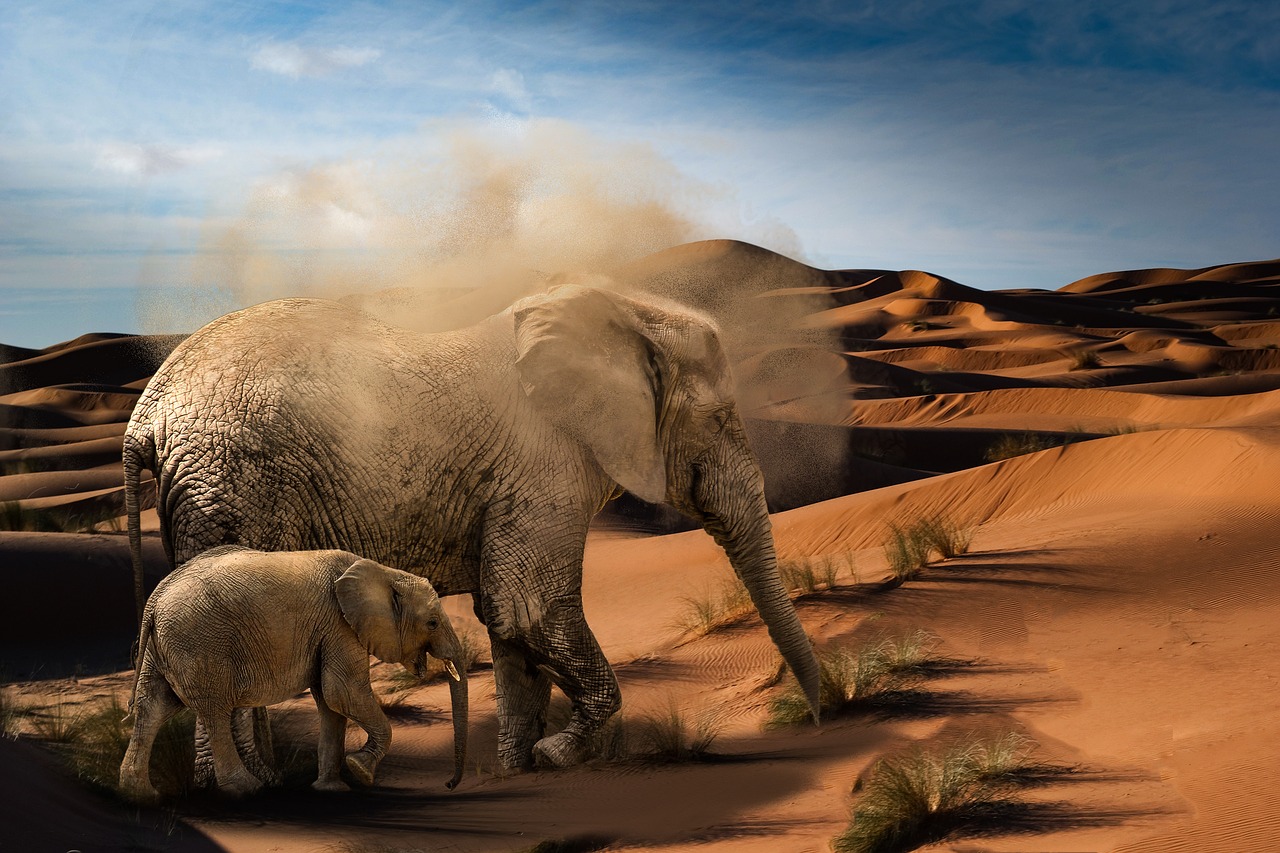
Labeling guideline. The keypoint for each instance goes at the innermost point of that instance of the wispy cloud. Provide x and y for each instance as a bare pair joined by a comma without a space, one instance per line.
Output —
294,60
152,159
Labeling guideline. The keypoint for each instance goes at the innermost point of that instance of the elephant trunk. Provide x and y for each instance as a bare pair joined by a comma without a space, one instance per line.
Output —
731,501
458,698
449,650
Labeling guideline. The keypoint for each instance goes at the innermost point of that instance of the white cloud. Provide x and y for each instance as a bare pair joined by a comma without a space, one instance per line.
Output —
509,85
293,60
148,160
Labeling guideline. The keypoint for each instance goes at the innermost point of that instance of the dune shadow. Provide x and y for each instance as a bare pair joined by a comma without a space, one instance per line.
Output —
923,704
981,569
1016,817
377,807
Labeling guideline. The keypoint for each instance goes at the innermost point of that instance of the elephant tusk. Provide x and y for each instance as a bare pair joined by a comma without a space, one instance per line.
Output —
452,670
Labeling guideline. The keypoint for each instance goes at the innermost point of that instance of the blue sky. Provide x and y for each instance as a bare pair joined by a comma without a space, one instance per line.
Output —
148,150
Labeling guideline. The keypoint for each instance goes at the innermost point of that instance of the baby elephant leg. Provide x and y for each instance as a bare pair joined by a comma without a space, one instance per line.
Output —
357,702
333,730
154,703
233,777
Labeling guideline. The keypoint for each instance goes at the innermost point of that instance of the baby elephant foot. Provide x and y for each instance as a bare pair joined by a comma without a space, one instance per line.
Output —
138,791
334,785
560,750
362,766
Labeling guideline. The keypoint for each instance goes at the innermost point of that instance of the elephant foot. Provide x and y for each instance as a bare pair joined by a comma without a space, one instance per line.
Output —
205,777
362,766
240,785
333,785
560,750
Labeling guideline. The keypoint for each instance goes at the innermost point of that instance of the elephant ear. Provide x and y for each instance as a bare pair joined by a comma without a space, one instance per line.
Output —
585,363
367,597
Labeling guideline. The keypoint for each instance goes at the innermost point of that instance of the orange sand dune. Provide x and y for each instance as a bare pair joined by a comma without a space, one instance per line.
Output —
1118,605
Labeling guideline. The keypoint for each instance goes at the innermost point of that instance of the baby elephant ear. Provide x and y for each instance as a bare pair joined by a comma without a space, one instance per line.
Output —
367,598
587,364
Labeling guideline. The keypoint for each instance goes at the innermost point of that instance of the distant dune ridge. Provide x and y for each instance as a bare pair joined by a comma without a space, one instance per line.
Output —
1113,446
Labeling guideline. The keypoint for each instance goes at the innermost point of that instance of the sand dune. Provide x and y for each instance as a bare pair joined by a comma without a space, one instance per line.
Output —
1112,445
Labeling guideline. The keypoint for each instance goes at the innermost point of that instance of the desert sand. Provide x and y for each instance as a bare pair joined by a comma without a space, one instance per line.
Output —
1112,446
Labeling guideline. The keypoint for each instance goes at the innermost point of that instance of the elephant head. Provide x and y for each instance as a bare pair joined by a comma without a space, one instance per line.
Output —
647,388
398,617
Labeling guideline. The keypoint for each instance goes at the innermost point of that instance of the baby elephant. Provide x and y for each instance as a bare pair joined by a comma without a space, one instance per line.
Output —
235,628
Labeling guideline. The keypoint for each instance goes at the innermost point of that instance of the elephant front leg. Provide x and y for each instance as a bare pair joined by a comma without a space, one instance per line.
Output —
576,664
333,728
357,703
558,647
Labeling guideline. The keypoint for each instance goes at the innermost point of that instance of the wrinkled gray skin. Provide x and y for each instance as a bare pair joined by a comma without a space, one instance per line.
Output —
479,454
236,628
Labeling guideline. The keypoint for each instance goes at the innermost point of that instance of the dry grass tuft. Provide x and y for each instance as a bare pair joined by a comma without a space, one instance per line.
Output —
92,742
671,736
852,680
923,797
911,545
1011,445
1084,359
800,576
807,575
716,609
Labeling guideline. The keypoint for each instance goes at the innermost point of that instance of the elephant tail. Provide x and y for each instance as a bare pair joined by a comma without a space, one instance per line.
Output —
140,654
134,459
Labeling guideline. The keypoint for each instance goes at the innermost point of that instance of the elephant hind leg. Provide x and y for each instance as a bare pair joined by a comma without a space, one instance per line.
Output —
251,728
154,704
523,693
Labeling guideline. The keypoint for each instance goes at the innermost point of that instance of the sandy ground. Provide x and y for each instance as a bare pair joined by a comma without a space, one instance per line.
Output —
1118,605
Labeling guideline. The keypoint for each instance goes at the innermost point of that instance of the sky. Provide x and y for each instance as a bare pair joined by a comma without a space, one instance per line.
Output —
155,156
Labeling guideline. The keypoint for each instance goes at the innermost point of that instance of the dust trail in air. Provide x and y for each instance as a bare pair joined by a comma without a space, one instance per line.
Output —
442,230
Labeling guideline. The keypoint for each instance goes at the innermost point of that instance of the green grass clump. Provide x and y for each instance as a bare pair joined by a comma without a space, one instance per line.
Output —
911,546
852,680
923,797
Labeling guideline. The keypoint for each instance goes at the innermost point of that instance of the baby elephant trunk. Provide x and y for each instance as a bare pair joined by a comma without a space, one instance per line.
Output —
449,649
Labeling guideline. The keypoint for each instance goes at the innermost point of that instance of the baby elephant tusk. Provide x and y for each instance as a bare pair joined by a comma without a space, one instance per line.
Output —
452,670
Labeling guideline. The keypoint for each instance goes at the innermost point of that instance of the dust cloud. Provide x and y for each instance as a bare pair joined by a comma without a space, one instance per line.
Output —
440,231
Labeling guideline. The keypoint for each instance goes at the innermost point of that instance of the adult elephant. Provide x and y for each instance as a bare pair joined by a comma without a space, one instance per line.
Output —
474,457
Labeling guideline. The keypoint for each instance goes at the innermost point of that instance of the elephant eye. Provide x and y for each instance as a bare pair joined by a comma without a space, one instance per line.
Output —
433,624
721,417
